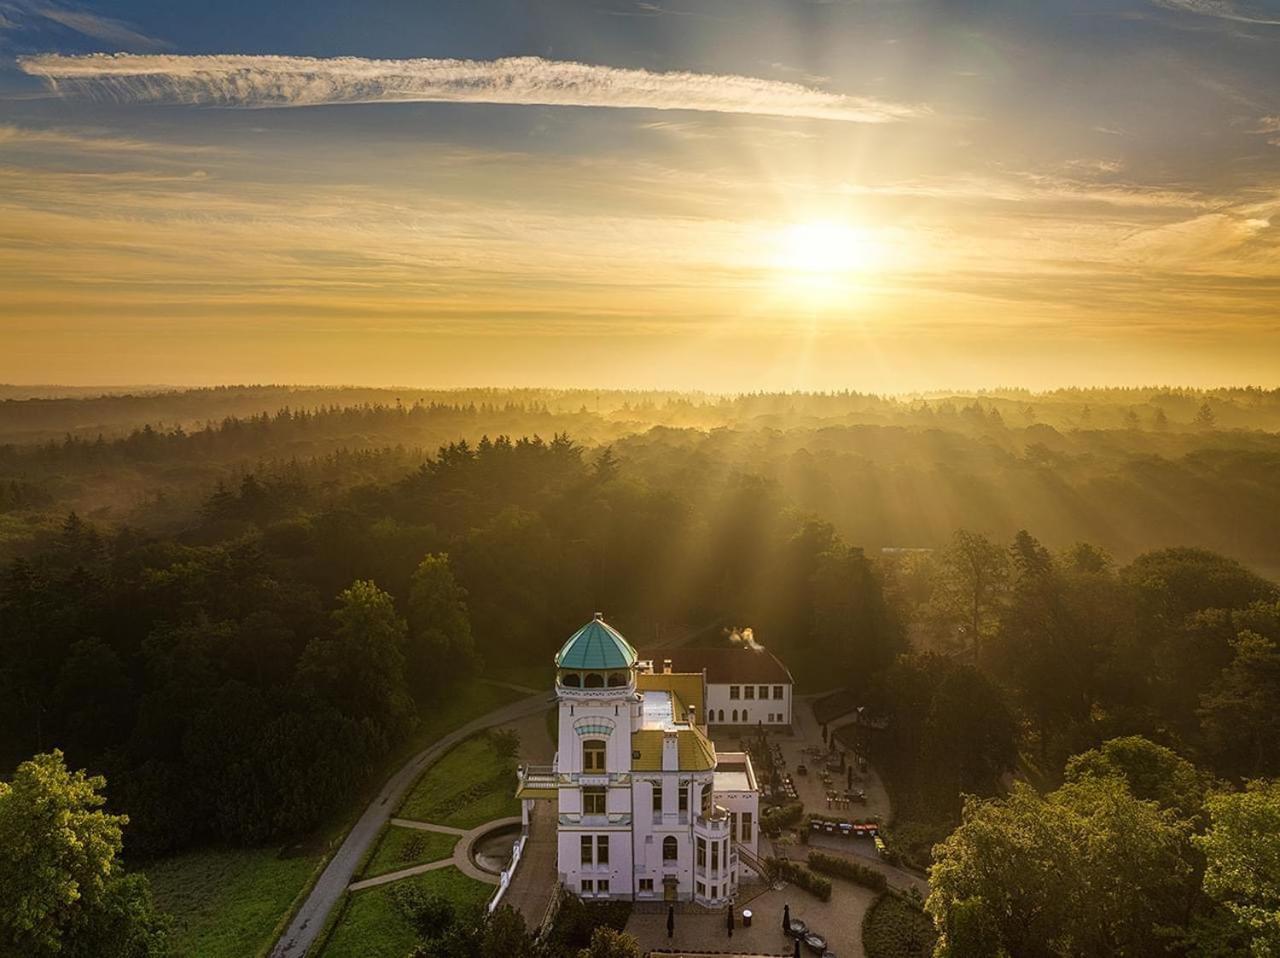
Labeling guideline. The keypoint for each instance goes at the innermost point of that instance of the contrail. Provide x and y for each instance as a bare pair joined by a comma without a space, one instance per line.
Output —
274,81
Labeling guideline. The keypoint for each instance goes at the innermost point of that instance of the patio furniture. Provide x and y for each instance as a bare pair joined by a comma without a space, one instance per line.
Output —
746,918
815,942
798,928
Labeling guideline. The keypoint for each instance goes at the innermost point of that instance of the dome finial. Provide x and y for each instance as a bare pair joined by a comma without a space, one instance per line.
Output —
599,616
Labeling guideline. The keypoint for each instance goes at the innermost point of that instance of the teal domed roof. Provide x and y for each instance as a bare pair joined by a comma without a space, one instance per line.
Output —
596,646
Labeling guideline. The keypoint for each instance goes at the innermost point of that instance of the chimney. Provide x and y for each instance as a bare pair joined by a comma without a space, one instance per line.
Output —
670,751
666,666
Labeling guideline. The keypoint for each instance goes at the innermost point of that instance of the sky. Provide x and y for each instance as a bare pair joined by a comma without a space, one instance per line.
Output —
733,195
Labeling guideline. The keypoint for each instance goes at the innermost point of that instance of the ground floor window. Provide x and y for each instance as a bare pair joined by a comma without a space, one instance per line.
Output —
588,886
701,889
646,886
602,887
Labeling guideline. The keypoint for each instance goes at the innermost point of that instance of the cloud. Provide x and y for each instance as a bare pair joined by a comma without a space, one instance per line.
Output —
22,14
273,81
1223,10
89,142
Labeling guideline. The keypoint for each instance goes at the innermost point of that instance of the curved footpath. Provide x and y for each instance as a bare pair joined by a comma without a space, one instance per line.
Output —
335,878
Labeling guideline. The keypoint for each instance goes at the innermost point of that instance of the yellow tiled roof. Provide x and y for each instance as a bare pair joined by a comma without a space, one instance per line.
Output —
685,687
695,752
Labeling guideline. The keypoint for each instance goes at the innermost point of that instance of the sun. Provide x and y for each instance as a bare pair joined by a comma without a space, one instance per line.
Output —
824,248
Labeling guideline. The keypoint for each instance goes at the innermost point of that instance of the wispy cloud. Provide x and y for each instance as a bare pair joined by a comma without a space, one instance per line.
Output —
90,142
274,81
23,14
1223,10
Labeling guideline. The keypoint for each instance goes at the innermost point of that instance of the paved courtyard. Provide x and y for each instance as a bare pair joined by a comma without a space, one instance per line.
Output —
838,920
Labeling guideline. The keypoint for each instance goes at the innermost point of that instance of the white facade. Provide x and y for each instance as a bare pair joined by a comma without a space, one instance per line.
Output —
744,686
749,703
647,809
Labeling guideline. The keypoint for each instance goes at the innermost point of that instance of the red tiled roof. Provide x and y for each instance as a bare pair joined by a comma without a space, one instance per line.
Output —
723,666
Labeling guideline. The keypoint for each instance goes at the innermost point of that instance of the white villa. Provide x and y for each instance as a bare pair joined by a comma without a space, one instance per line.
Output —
647,808
745,686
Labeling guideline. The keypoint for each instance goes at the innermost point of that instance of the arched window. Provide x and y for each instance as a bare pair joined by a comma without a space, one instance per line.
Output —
722,715
571,680
593,755
617,679
594,681
735,715
744,715
670,849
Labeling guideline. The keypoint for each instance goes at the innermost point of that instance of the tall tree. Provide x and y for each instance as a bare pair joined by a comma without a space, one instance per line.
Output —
971,584
854,629
1088,871
440,648
361,669
61,883
1242,853
1241,712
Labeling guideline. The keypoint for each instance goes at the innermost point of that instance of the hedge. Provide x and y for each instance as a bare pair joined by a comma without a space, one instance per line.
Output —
843,868
840,819
801,877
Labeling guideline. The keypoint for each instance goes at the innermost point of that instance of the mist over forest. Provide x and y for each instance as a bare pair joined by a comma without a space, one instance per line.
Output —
1128,469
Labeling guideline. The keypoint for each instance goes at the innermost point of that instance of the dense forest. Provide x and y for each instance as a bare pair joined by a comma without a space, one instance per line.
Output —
1063,613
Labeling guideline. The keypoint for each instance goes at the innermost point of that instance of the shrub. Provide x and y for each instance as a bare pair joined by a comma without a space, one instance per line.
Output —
775,819
506,742
801,877
895,928
429,913
576,921
843,868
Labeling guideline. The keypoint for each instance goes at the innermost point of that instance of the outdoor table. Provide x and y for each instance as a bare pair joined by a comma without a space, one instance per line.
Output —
746,918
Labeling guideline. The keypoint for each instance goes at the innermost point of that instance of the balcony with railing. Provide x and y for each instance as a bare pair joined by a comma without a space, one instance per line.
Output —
537,781
543,781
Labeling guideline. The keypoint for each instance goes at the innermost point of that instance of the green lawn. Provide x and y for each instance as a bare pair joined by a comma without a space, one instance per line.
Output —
402,847
469,786
227,903
372,927
454,708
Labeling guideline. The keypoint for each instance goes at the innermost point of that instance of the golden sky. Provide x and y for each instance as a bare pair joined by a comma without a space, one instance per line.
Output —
884,195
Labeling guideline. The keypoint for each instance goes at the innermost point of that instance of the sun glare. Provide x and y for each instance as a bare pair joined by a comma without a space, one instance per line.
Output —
825,249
